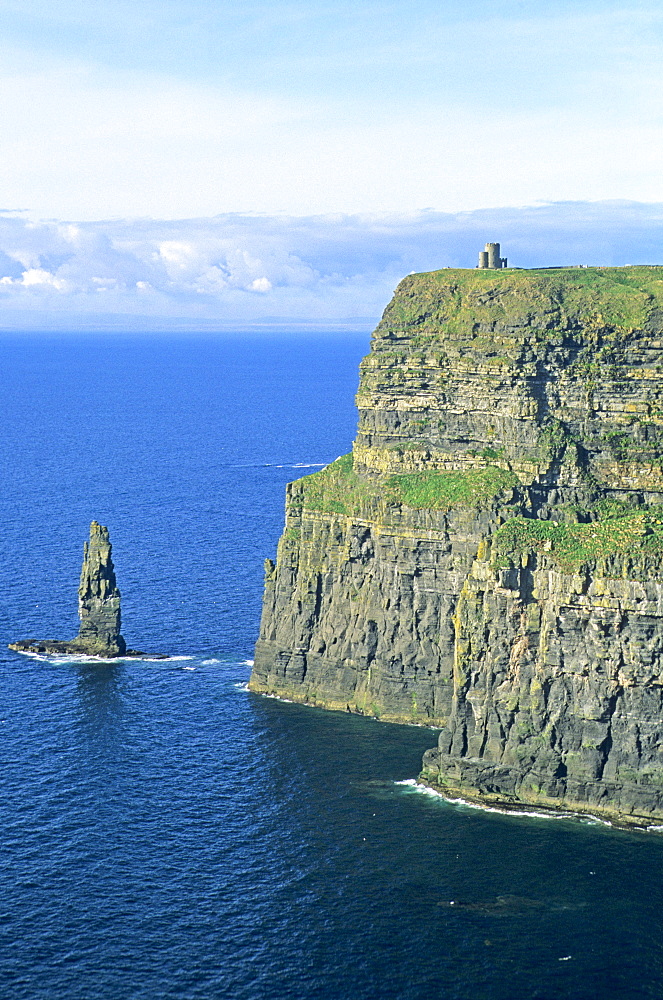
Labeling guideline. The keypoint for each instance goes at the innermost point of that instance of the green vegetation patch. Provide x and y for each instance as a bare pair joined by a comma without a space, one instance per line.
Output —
338,489
571,545
444,490
463,302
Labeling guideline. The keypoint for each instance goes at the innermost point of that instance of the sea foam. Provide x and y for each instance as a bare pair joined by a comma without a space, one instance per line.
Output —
466,803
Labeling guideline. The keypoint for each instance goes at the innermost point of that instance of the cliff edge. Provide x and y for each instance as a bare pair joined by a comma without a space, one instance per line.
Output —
489,560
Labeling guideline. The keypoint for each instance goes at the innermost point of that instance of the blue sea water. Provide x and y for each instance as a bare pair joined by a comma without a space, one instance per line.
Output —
166,834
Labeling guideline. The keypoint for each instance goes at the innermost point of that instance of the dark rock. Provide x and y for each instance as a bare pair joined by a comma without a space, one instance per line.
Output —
99,598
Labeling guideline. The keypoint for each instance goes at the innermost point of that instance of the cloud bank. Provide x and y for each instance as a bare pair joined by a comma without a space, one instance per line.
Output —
258,271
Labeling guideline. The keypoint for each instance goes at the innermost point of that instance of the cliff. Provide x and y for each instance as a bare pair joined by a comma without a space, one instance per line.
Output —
489,559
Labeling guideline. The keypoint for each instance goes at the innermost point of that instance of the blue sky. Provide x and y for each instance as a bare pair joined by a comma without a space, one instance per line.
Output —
187,110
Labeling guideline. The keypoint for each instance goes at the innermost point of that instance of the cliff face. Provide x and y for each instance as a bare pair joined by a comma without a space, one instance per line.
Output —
358,611
490,558
558,682
529,369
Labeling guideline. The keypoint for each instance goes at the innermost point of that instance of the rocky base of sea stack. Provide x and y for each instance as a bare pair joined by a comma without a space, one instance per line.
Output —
57,647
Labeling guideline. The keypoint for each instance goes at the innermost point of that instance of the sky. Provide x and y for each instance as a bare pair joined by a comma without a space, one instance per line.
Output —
213,161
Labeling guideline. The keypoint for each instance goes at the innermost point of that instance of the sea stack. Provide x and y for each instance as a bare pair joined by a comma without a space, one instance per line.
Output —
99,598
98,607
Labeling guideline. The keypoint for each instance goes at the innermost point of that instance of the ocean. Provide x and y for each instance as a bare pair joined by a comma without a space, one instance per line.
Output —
164,833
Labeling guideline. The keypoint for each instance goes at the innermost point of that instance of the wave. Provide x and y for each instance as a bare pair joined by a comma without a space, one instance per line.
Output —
66,659
288,701
35,656
63,659
295,465
274,465
213,661
536,814
153,659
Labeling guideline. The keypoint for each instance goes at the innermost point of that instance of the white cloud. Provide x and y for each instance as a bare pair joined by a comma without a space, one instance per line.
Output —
182,255
38,277
261,285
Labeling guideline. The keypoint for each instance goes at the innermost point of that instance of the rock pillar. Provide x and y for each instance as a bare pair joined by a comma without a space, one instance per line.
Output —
98,608
99,597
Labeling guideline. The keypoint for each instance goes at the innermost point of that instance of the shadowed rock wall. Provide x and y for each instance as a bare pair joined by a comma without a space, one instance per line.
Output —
358,612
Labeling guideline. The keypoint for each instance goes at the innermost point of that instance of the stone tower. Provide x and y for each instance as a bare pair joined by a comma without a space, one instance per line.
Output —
489,257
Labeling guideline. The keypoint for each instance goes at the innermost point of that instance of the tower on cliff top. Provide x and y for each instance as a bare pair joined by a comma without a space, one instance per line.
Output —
490,257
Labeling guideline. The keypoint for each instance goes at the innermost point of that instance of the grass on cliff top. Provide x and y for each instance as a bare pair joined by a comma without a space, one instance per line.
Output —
338,489
637,533
456,299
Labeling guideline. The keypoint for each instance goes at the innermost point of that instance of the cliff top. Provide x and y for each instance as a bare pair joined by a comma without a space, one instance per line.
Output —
546,299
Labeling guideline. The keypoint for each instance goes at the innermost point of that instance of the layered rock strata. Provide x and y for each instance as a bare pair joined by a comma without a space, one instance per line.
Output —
489,559
98,607
558,674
